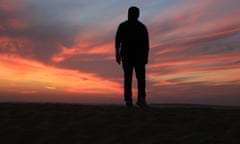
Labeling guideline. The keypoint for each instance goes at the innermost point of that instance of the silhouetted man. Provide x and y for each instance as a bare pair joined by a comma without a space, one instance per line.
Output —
132,48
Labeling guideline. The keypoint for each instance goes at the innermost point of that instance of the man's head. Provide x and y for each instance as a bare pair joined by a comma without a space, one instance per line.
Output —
133,13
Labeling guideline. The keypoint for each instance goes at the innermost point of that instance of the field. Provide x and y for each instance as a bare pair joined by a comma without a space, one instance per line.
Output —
32,123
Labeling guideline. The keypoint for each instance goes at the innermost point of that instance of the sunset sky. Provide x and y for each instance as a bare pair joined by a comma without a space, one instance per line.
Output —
63,50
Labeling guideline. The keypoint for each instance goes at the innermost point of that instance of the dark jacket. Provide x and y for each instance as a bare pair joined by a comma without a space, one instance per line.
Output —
132,42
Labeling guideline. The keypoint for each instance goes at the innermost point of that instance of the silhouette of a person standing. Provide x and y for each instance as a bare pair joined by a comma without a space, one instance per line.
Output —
132,48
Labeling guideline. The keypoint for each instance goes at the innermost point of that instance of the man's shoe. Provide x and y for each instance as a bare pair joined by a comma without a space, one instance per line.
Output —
142,104
129,104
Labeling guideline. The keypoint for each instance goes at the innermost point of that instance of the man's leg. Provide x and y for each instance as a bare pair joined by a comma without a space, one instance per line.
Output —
128,71
141,79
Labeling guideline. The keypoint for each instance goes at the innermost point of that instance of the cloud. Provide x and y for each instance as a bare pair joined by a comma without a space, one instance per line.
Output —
192,45
68,46
24,75
42,26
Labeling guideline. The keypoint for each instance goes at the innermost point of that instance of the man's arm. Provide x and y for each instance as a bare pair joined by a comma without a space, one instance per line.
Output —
147,45
118,45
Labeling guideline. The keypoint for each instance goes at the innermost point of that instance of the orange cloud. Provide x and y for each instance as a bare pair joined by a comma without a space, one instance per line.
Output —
207,69
29,76
83,45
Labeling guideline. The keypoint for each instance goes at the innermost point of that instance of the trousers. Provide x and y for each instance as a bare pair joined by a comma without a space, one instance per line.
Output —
141,80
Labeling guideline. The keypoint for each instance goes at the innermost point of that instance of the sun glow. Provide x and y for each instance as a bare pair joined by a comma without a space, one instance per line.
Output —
29,76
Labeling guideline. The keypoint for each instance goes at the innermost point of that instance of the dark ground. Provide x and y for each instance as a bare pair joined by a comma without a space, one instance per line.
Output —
80,124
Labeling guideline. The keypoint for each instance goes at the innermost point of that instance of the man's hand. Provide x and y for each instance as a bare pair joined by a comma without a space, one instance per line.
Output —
146,62
118,58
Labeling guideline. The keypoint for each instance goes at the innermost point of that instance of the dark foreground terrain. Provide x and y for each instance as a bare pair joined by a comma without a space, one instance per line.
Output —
79,124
